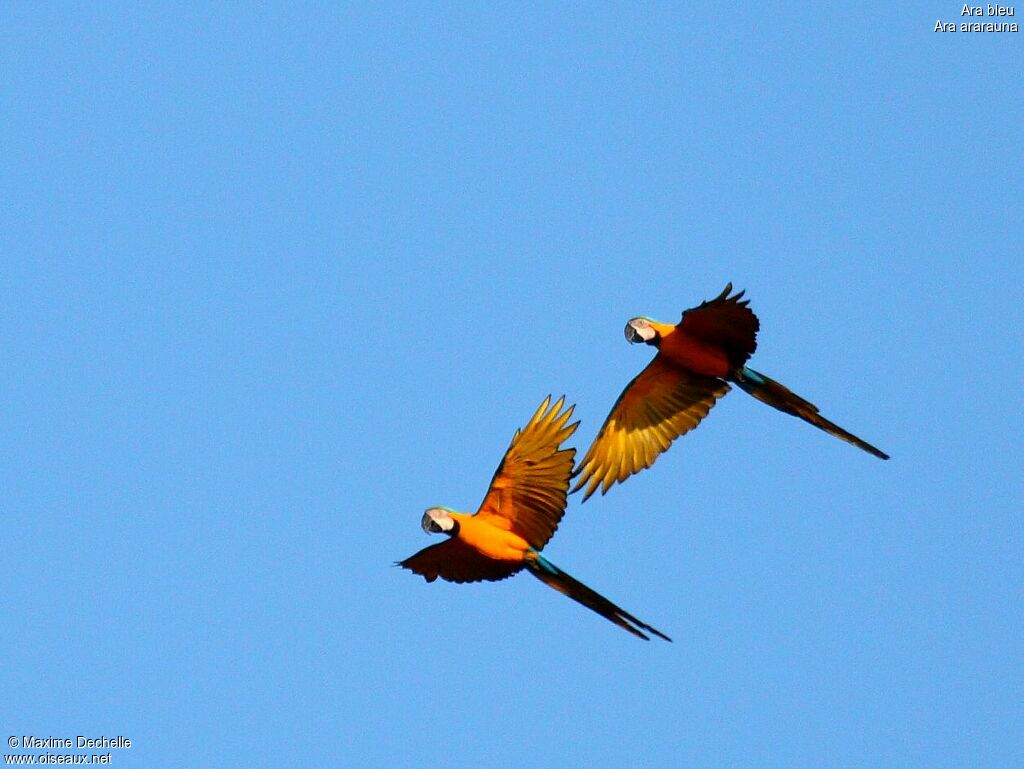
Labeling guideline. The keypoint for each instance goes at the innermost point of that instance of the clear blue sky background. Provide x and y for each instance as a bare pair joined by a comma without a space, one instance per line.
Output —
274,281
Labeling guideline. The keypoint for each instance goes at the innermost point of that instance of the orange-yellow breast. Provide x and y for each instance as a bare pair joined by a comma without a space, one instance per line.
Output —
490,540
693,355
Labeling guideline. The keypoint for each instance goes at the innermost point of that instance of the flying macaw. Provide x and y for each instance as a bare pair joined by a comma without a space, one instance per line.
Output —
696,360
521,511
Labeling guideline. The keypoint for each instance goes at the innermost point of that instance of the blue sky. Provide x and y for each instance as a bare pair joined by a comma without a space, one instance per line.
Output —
275,280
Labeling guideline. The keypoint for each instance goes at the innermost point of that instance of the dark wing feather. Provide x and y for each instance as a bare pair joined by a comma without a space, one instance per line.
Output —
725,322
455,561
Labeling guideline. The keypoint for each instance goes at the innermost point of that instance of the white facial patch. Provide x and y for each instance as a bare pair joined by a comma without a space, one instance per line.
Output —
642,328
436,520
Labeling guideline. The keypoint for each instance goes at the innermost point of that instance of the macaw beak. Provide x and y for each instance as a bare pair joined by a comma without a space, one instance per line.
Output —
632,335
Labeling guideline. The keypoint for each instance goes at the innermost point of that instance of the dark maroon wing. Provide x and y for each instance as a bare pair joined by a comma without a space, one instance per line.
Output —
725,322
455,561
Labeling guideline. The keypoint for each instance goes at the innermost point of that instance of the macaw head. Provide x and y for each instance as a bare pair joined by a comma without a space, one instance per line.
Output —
643,330
437,520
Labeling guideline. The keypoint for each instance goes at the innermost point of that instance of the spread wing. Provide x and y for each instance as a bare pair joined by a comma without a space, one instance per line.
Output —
725,322
659,405
528,492
455,561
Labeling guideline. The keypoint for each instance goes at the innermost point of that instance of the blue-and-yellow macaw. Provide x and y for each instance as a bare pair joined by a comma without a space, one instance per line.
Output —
521,511
696,361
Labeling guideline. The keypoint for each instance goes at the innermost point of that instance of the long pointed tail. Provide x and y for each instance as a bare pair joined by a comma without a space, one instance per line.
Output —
774,394
549,574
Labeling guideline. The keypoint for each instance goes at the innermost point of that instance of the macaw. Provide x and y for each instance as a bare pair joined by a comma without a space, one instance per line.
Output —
696,361
520,512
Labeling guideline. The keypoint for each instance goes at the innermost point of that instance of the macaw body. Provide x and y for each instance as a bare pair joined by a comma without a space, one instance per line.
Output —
690,353
519,514
491,540
697,360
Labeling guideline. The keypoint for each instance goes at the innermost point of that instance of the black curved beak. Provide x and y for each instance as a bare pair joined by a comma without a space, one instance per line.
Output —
632,335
